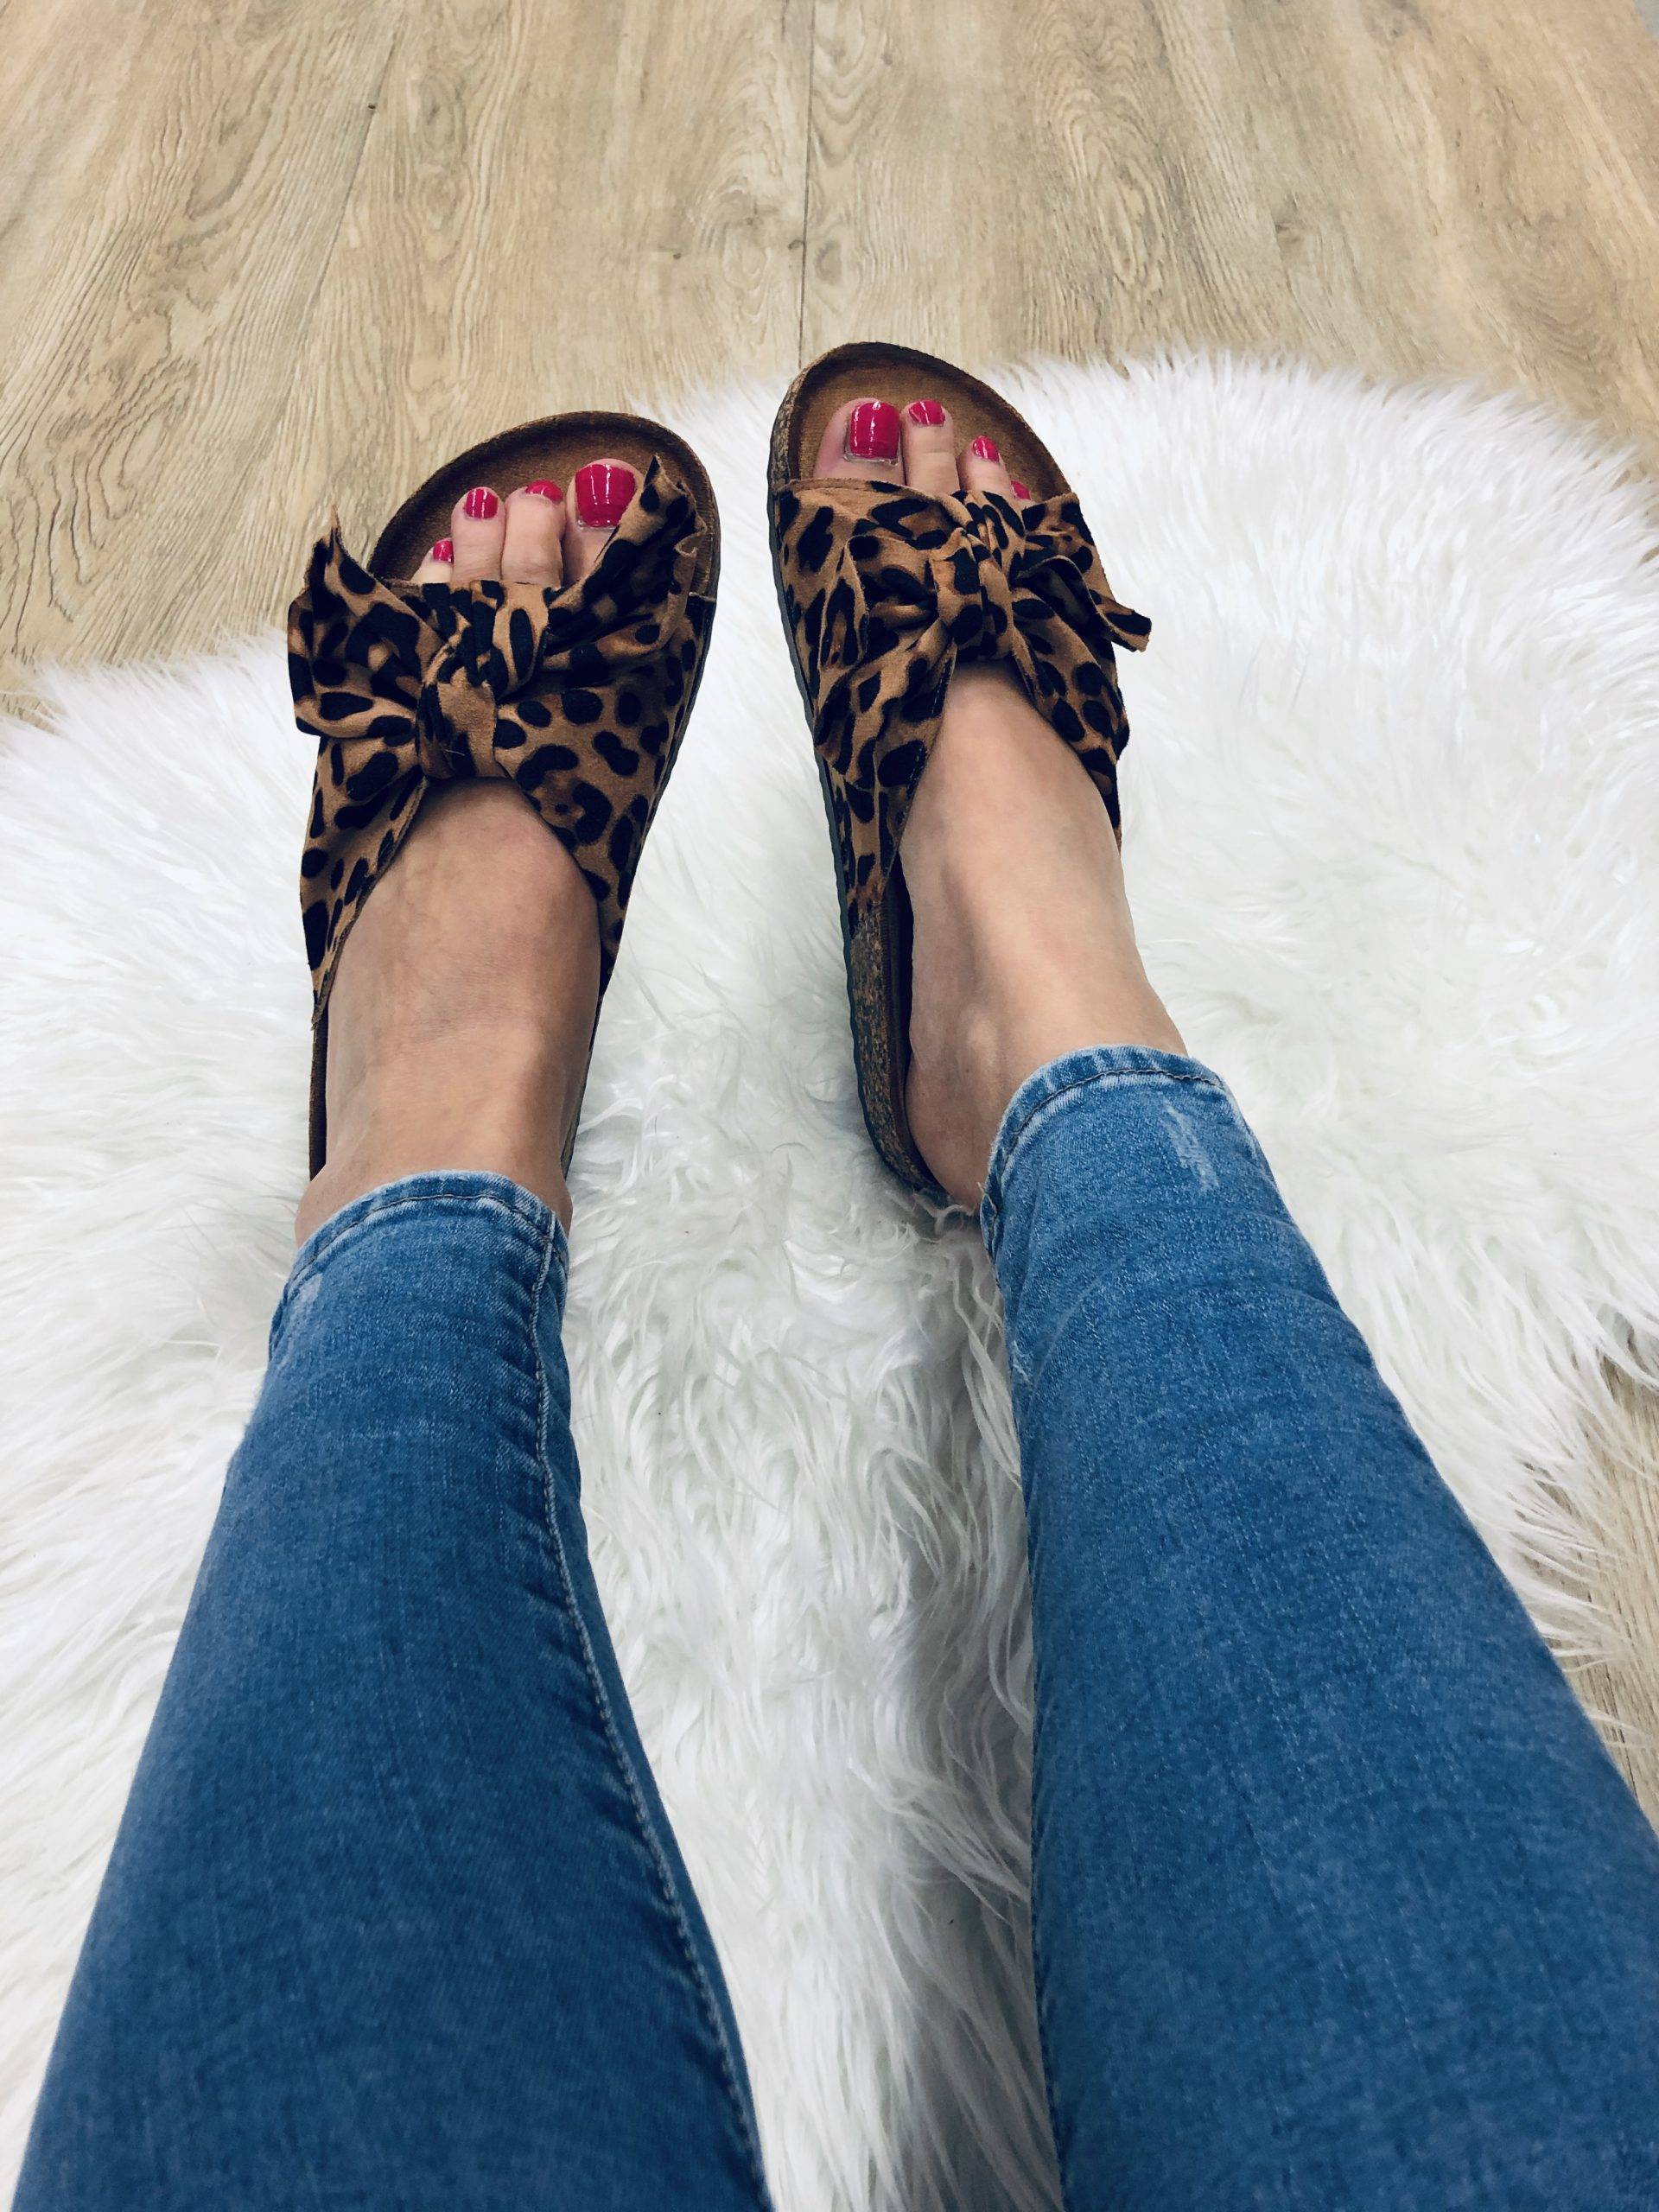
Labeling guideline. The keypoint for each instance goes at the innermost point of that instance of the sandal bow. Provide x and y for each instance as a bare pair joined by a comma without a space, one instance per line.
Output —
478,646
886,589
577,694
444,677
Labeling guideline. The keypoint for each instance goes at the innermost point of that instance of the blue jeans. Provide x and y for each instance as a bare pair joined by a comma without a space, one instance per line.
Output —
1338,1901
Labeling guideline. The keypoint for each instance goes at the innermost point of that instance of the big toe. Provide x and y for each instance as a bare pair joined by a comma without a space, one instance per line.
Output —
602,493
862,439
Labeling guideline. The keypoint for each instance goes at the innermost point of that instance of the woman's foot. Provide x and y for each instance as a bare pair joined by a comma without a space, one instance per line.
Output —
462,1010
1024,948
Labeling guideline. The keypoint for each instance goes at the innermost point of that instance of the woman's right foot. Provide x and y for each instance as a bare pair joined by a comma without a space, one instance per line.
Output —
461,1013
1023,948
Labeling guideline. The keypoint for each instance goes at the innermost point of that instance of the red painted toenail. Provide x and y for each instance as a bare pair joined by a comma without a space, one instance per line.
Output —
926,411
544,490
603,491
444,550
987,449
873,431
480,504
1020,491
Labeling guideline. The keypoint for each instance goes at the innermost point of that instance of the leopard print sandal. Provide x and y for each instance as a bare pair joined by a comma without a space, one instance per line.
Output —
580,695
882,590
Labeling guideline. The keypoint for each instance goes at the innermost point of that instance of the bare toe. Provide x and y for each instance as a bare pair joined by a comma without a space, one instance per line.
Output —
980,467
439,564
862,439
533,552
600,494
930,441
476,528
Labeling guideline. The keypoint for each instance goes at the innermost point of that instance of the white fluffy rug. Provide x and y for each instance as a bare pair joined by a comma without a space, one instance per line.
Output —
1392,808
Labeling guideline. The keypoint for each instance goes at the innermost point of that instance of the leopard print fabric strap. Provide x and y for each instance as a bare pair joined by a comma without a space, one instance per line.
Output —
580,695
885,589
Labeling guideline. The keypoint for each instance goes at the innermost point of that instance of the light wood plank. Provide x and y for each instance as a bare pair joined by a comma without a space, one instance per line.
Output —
283,252
1417,189
560,206
166,215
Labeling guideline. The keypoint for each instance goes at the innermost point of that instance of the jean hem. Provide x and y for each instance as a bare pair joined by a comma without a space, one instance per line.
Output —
1105,1065
472,1190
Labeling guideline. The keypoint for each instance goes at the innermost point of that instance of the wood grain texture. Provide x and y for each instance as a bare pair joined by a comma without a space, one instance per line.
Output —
259,254
558,207
168,205
1416,186
281,252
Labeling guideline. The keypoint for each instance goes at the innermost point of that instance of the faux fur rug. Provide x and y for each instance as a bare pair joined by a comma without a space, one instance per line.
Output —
1393,819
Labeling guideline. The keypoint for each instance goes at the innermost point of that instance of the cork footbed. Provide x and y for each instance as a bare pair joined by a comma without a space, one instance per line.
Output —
551,449
879,959
900,374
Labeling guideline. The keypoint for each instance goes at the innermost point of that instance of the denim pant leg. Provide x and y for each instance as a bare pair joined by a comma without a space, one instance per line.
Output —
1339,1901
395,1918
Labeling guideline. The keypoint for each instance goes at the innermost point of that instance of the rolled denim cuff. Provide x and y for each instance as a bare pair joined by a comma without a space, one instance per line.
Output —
1040,1093
521,1213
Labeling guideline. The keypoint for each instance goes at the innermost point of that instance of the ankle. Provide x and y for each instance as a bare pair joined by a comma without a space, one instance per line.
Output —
461,1016
970,1054
1024,949
479,1100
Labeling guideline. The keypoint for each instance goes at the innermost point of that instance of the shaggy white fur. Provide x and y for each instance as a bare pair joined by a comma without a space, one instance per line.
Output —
1392,808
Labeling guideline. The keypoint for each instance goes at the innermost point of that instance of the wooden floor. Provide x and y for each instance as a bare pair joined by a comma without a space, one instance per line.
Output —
261,253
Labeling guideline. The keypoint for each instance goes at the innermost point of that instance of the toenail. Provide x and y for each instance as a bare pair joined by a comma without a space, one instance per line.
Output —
873,431
444,550
987,449
544,490
926,411
480,502
1020,491
603,491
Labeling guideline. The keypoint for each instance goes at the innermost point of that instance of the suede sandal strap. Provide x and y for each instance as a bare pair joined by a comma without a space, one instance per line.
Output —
886,589
578,694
